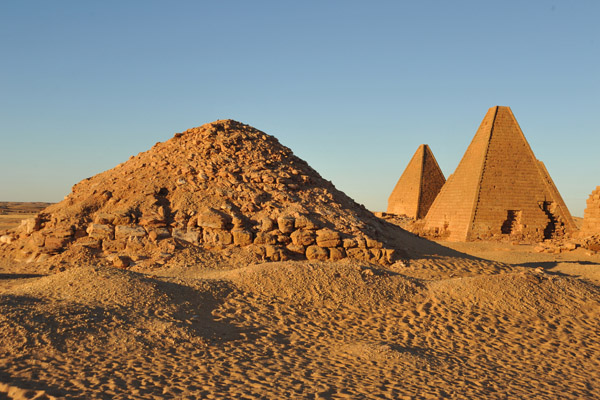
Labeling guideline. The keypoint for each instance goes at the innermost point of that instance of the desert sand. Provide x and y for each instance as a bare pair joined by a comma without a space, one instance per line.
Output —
444,325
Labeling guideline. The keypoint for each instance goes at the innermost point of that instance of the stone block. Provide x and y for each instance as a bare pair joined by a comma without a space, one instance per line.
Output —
303,237
328,238
101,231
336,253
317,253
242,237
286,224
126,231
212,219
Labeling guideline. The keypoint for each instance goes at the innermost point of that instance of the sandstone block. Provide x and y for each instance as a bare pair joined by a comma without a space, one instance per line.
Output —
295,248
303,237
275,253
265,238
160,232
305,222
125,231
317,253
101,231
37,239
336,253
242,237
212,219
30,225
286,224
349,243
328,238
187,235
373,244
54,244
359,254
104,218
266,224
217,236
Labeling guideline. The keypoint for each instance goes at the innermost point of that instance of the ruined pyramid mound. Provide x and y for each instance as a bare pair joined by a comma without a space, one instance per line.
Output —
418,185
223,187
499,189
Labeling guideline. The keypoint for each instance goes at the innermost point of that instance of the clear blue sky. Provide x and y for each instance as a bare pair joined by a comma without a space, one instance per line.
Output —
352,87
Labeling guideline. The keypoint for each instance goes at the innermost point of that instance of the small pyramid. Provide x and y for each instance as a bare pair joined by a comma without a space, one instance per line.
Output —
418,186
499,188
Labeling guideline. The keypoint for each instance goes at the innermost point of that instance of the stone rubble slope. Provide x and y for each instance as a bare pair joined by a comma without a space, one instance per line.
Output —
222,187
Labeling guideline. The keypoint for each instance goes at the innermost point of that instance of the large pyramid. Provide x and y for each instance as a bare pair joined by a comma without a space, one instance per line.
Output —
418,185
224,187
499,188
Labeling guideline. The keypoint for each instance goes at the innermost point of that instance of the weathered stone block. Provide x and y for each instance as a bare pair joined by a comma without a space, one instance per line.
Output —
286,224
242,237
295,248
349,243
317,253
328,238
101,231
305,222
186,235
125,231
104,218
217,236
265,238
212,219
336,253
303,237
54,244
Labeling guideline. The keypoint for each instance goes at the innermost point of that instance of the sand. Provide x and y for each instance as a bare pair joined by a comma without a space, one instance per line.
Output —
447,325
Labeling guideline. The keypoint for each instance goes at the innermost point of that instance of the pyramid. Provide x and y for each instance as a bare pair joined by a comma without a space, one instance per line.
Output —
499,189
418,185
225,188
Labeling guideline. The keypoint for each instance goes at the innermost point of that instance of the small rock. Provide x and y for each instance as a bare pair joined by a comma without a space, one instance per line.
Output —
121,262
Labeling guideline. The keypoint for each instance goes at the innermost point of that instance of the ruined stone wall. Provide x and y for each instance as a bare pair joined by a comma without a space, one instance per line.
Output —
591,216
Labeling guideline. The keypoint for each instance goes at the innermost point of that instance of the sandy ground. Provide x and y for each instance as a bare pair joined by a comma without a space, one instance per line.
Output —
443,326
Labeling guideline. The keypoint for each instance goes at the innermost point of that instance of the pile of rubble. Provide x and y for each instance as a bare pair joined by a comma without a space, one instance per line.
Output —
224,186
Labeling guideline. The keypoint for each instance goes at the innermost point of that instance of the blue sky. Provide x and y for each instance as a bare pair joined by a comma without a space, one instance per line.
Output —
352,87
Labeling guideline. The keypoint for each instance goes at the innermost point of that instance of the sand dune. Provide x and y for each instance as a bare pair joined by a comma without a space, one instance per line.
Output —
300,330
